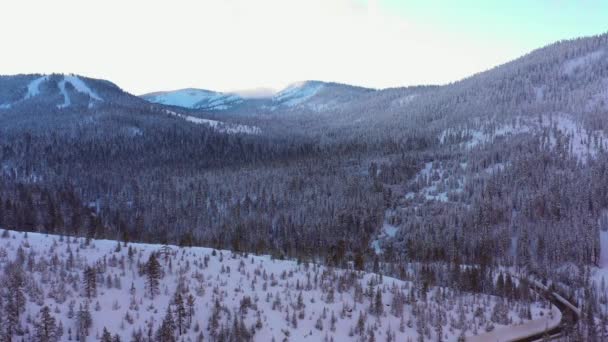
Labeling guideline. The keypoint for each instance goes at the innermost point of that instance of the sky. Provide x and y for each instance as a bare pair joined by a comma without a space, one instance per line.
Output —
226,45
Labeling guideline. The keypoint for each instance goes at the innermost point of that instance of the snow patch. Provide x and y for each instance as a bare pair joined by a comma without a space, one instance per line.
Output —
81,86
33,88
583,144
572,65
218,125
433,185
404,100
66,97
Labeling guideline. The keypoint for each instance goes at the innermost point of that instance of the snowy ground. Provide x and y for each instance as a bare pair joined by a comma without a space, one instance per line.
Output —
218,125
274,300
547,322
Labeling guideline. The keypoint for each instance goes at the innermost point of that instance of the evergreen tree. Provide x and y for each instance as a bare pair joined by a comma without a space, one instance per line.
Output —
180,314
106,336
153,273
46,330
90,282
166,331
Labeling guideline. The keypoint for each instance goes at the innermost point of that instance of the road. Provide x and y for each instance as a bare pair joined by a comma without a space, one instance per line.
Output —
570,315
564,316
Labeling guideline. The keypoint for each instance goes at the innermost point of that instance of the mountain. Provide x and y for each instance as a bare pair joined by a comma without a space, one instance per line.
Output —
59,91
195,99
85,98
315,96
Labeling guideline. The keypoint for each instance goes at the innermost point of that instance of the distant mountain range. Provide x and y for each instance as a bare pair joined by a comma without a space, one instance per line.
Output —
43,95
569,77
312,95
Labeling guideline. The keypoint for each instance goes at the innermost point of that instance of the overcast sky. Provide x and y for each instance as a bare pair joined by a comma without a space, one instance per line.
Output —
225,45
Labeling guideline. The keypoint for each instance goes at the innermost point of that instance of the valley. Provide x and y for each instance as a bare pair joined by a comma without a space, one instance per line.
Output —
427,197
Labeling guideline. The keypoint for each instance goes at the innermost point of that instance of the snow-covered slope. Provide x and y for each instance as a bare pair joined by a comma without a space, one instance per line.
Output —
218,125
195,99
51,87
100,285
313,96
297,93
317,96
33,88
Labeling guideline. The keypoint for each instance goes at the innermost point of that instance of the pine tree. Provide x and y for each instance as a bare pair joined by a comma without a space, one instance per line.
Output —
106,336
361,324
84,321
46,330
90,282
439,327
14,297
191,305
166,332
153,272
180,314
330,295
378,305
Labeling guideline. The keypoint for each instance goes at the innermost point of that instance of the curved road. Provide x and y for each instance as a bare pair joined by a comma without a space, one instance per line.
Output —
570,315
565,316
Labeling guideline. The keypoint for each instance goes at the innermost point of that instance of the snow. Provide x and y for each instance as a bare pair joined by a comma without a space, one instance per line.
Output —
571,65
603,250
478,136
66,97
55,279
402,101
81,86
582,142
601,272
530,328
196,98
387,232
434,186
33,88
218,125
297,93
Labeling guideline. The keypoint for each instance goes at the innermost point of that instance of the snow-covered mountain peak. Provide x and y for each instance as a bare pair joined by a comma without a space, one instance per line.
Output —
195,99
297,93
